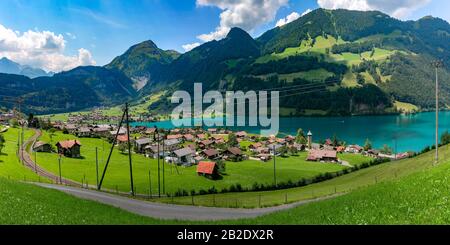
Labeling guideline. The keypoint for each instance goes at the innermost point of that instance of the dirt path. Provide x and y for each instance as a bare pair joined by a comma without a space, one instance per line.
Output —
25,157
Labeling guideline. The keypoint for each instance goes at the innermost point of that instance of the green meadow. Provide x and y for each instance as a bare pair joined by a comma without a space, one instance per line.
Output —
245,173
10,166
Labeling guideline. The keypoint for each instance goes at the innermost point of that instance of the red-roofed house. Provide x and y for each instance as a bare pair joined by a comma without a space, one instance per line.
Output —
122,138
207,169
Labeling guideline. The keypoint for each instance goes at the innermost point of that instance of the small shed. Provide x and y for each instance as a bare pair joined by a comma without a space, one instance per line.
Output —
42,147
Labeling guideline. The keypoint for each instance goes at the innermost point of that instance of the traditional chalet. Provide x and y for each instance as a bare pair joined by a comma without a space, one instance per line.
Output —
150,131
354,149
322,156
241,134
122,139
274,148
42,147
101,131
188,137
171,145
210,154
205,144
84,132
207,169
255,146
184,157
71,128
234,154
69,148
141,143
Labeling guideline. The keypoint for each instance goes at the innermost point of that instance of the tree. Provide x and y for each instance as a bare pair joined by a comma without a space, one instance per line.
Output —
386,150
445,138
232,140
51,133
301,137
221,166
367,145
360,79
283,151
336,141
123,147
2,143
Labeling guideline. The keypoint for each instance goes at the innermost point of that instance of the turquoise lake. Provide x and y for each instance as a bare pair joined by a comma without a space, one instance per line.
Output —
401,132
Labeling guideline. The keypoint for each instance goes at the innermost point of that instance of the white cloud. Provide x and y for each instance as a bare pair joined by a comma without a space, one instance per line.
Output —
399,8
42,49
246,14
71,35
190,46
292,17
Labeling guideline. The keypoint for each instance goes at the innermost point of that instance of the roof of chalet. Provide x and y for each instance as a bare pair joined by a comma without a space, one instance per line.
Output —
206,167
143,141
39,144
184,152
320,154
68,144
235,151
211,152
122,138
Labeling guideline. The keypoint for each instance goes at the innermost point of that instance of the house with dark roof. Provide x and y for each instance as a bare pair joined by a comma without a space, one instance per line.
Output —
184,156
211,154
141,143
233,154
69,148
42,147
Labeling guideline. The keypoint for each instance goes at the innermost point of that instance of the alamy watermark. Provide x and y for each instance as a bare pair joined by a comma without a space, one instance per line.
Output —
227,109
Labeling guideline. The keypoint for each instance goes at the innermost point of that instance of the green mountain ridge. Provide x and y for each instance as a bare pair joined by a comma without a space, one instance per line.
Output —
342,54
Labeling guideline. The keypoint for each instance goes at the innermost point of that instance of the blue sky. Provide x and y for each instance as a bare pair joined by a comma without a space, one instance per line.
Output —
95,31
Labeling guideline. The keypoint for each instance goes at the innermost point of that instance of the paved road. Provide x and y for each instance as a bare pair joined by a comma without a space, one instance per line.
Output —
170,211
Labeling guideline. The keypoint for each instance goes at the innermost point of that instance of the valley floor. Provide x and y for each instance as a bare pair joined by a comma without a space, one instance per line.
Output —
411,191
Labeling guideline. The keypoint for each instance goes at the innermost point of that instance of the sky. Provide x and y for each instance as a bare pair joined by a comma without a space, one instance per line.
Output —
63,34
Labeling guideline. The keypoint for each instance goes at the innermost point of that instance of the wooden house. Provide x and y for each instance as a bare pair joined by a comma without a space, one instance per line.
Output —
69,148
42,147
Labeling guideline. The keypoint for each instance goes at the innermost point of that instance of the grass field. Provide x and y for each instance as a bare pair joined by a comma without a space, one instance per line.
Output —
421,198
139,108
245,173
418,195
10,167
344,184
26,204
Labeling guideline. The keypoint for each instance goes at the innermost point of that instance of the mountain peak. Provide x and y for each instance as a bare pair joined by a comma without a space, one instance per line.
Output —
237,32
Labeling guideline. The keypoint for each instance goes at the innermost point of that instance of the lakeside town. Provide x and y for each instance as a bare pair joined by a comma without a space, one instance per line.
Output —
207,148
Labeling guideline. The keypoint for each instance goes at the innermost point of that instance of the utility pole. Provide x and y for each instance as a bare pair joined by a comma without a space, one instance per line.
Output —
437,64
129,149
96,164
159,169
274,165
164,163
59,166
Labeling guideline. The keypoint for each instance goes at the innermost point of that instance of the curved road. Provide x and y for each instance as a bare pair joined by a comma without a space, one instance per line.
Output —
145,208
24,155
170,211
